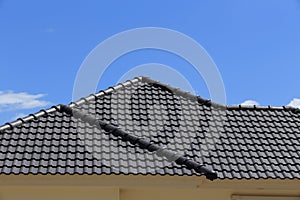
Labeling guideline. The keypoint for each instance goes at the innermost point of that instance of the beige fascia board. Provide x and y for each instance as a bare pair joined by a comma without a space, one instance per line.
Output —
255,184
269,197
149,181
122,181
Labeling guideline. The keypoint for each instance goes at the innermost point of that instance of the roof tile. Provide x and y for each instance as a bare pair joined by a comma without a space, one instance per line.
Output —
239,142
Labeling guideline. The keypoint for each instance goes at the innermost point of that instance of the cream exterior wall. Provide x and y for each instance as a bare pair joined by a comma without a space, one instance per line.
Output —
121,187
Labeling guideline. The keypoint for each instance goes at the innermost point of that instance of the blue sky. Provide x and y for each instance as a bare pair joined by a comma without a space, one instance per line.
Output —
254,43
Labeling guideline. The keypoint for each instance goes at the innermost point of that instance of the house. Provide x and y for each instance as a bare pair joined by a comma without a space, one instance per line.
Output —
126,143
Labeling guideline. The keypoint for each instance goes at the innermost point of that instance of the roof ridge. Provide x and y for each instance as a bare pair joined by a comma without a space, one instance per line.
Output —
28,118
208,102
43,112
186,94
269,107
106,91
142,143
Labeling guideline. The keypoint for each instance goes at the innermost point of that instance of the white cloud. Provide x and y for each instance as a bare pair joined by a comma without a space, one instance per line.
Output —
250,103
295,103
10,100
18,115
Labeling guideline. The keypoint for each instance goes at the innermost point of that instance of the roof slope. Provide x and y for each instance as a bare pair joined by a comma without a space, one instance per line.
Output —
236,141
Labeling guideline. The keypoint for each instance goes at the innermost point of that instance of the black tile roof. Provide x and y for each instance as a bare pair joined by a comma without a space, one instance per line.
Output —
236,141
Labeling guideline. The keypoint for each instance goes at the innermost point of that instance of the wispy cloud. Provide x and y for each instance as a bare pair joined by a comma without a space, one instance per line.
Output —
10,100
295,103
250,103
